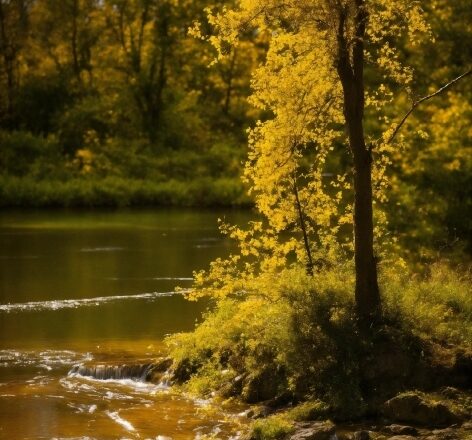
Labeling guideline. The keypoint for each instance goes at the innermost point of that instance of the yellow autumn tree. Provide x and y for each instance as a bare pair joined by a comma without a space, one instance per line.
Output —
329,64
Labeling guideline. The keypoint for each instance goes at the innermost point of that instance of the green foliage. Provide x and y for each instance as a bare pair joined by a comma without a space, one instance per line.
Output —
119,192
82,125
311,410
276,347
435,305
82,96
114,172
40,103
240,337
271,428
23,154
301,337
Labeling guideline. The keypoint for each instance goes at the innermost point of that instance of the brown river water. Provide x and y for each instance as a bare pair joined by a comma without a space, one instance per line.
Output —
94,286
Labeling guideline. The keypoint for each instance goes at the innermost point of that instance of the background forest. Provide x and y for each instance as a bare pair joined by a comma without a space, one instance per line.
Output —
347,124
113,103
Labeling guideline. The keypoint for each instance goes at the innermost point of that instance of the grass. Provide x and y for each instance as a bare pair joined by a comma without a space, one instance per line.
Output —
120,192
272,428
436,305
301,343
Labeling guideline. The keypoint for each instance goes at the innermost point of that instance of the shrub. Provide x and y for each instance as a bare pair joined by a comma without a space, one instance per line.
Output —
435,305
295,338
311,410
271,428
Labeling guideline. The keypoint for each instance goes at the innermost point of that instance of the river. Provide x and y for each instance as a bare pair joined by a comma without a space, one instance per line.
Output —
98,286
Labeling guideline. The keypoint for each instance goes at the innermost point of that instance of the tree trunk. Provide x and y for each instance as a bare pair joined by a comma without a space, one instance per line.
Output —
350,68
8,53
74,41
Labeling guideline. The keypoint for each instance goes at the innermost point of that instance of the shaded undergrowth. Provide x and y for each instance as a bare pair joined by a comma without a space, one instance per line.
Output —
302,343
117,191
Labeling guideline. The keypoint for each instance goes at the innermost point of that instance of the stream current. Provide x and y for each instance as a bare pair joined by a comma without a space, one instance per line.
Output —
97,287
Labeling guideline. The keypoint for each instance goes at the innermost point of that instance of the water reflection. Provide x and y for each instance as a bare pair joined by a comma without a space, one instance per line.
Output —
78,287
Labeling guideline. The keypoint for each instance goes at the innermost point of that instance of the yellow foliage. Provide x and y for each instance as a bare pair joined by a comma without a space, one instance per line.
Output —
288,167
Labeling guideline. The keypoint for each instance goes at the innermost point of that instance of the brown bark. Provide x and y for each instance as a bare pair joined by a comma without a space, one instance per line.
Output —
229,83
8,53
306,242
74,40
350,66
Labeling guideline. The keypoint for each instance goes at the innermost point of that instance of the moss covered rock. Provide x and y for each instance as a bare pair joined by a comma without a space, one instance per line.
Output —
315,431
414,408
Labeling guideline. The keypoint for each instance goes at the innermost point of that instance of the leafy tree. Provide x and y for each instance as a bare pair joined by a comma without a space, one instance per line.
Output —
331,65
65,38
429,204
14,16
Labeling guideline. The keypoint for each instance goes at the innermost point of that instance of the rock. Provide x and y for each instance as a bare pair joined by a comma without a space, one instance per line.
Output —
316,431
361,435
184,370
450,392
411,408
159,370
467,426
444,434
260,412
463,369
400,430
402,437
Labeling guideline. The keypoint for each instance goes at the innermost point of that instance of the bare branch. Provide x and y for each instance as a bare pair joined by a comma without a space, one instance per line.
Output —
306,241
426,98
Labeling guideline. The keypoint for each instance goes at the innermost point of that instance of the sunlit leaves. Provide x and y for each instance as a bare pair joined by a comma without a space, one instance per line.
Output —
288,168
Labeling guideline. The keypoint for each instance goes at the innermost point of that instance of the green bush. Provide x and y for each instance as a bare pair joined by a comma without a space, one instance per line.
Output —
437,304
271,428
311,410
23,154
90,191
302,339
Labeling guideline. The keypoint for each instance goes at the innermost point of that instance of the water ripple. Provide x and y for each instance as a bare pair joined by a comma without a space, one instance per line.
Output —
46,359
58,304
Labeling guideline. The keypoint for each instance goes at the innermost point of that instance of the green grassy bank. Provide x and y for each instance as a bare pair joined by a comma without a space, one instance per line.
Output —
297,348
120,192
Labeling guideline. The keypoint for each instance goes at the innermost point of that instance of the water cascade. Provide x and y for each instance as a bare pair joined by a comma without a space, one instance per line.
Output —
142,372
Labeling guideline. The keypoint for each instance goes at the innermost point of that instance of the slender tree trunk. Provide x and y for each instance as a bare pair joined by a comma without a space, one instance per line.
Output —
351,72
306,241
229,83
6,51
74,40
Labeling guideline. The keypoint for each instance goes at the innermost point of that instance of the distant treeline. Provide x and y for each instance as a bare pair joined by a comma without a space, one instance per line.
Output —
113,102
92,88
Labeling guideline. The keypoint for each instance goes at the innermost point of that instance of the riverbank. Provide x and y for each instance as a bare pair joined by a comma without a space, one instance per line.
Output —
291,345
115,191
444,415
414,415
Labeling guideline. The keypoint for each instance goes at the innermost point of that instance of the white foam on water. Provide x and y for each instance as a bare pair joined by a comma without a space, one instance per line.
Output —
46,359
137,385
124,423
174,278
59,304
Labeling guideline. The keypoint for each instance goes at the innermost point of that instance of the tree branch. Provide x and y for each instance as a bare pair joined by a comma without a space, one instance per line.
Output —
306,241
426,98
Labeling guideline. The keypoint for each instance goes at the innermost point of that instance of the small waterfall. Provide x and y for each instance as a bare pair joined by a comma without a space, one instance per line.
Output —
143,372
